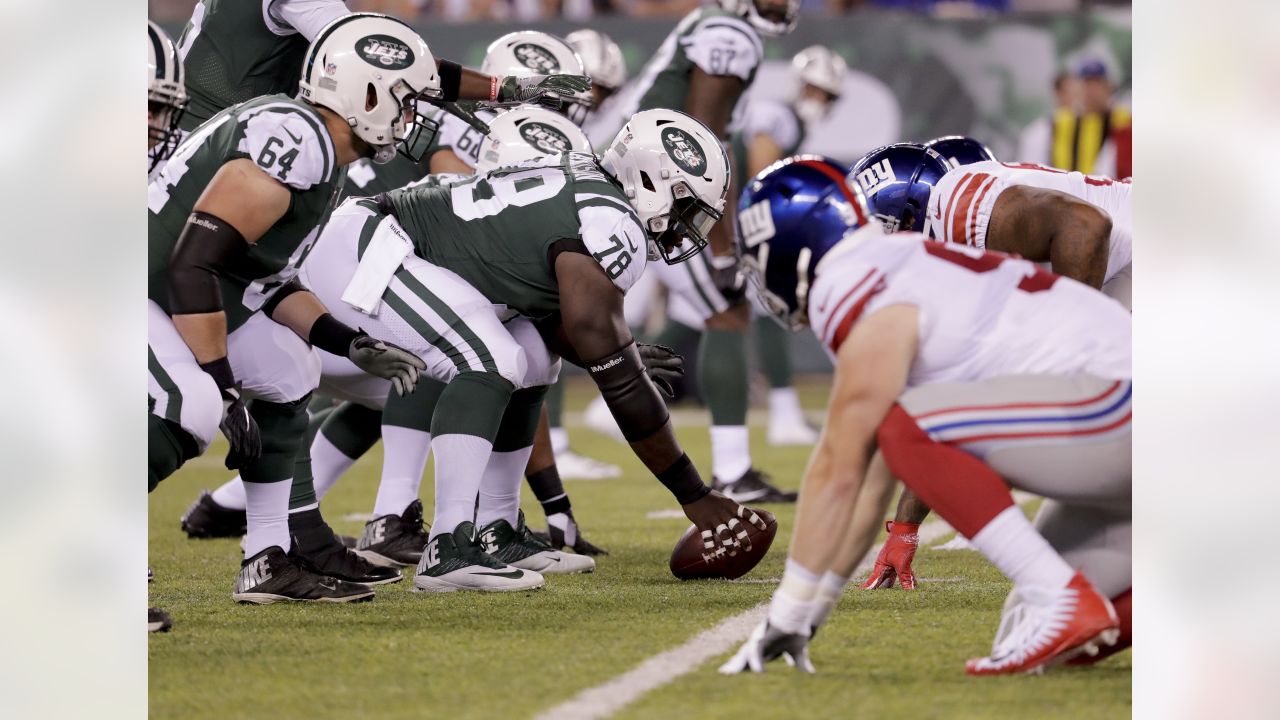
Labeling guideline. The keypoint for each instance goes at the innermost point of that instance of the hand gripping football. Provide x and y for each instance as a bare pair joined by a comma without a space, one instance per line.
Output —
691,560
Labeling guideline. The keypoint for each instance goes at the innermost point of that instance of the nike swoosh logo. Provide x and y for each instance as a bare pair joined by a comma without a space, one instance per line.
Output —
513,575
292,136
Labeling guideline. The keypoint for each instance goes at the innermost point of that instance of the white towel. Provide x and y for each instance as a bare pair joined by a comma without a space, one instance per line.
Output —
387,249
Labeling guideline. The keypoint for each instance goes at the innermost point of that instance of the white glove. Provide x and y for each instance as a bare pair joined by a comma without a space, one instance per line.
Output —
768,643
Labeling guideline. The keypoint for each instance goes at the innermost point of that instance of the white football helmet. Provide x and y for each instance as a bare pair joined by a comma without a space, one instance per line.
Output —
675,173
601,57
525,133
166,95
529,52
749,9
371,69
818,66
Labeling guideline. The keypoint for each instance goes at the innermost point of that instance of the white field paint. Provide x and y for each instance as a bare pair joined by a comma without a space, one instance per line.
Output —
608,698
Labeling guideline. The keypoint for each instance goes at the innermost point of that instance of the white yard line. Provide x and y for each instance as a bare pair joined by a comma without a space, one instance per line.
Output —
608,698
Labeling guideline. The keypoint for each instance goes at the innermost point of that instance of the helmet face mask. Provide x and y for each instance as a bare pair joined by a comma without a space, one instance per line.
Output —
166,95
686,228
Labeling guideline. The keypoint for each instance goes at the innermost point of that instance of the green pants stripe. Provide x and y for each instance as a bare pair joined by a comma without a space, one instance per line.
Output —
450,318
421,327
173,408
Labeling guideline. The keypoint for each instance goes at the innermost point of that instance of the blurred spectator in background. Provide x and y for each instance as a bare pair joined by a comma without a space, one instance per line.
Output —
1089,131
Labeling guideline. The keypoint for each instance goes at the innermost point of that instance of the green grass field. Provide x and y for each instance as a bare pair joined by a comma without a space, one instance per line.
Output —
406,655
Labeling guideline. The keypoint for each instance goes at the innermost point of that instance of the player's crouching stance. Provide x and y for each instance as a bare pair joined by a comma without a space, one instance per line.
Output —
232,216
461,274
972,372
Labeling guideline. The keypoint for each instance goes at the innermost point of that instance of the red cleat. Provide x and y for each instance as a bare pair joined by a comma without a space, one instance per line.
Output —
894,560
1076,620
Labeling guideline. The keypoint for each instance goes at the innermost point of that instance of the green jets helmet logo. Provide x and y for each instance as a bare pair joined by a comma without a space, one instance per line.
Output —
544,138
682,148
385,52
536,58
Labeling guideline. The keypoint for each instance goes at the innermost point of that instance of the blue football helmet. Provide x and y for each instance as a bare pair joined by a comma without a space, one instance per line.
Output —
897,181
959,150
789,217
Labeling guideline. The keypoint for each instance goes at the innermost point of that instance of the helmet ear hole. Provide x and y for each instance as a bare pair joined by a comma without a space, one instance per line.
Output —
370,97
646,182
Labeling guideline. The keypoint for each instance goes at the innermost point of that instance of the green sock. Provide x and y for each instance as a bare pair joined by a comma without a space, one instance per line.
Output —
520,420
283,427
722,376
472,404
415,410
555,404
675,335
773,347
351,428
168,446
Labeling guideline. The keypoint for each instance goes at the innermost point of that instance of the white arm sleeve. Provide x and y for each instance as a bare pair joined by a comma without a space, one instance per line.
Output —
615,240
308,17
724,46
289,147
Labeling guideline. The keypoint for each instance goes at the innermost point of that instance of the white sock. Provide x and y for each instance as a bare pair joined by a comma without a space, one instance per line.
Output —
500,487
1022,554
328,463
231,494
730,452
559,440
793,603
460,464
784,407
267,509
404,459
830,590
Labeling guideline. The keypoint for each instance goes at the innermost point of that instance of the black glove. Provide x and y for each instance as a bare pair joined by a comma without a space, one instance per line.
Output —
663,365
388,361
553,91
726,273
237,424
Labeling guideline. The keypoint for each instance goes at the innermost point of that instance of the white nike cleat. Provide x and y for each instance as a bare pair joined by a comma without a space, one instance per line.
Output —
520,548
573,466
598,417
784,433
454,561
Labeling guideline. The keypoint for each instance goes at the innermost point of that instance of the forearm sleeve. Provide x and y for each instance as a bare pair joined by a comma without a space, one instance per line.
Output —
629,393
204,249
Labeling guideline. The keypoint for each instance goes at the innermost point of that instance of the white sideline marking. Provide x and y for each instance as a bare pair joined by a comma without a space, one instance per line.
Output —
611,696
668,514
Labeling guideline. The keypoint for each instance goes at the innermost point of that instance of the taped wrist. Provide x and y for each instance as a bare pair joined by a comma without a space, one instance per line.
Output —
332,336
280,294
450,80
629,393
204,249
683,481
220,371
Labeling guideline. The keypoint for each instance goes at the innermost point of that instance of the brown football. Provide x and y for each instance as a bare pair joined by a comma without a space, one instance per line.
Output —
691,561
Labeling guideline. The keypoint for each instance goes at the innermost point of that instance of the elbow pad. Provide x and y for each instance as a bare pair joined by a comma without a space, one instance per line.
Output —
204,249
631,396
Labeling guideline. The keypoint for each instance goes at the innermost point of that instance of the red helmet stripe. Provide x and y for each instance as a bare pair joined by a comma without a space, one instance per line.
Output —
839,179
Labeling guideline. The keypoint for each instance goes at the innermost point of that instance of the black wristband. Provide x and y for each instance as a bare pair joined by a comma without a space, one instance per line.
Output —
284,291
683,481
450,80
220,371
332,336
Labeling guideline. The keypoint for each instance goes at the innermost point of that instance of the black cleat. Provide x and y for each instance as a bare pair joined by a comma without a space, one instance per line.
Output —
271,576
753,487
348,541
336,561
394,540
207,519
158,620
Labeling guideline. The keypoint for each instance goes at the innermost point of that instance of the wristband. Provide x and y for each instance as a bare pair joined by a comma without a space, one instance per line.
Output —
683,481
493,89
450,80
332,336
220,371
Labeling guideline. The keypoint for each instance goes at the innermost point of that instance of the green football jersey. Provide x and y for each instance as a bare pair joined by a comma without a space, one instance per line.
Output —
288,140
233,51
718,42
495,230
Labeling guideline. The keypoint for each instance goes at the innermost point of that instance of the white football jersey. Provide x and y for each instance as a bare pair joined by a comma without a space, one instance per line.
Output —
982,314
961,204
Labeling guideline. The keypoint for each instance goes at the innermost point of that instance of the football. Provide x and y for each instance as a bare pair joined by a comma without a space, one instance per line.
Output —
691,561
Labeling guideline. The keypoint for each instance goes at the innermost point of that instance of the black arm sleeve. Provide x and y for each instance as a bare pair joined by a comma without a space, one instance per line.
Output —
629,392
205,248
450,80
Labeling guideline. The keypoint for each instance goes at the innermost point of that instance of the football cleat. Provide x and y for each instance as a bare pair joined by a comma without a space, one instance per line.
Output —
894,561
520,548
158,620
337,561
207,519
455,561
394,540
786,433
753,487
573,466
271,576
1073,620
